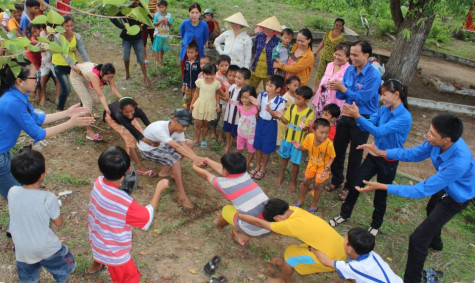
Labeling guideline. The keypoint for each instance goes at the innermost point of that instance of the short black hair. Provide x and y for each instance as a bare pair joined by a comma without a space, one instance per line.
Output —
304,91
234,162
277,81
246,74
19,7
32,26
291,79
287,31
28,166
222,58
209,69
67,18
321,122
361,240
127,100
365,46
192,45
114,162
207,57
32,3
333,109
448,125
162,3
233,68
274,207
247,88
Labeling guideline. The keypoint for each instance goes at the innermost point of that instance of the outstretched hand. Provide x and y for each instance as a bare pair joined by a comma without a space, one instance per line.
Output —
371,186
77,109
162,185
79,120
350,110
372,149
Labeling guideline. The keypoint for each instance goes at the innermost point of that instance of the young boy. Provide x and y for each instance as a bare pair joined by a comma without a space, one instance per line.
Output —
46,70
231,76
203,60
313,231
331,112
190,73
231,116
322,153
366,265
113,213
223,62
236,186
282,50
35,57
162,22
292,84
32,9
297,117
270,105
30,212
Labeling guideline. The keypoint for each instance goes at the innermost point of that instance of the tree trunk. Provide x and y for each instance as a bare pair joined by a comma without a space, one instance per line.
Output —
412,34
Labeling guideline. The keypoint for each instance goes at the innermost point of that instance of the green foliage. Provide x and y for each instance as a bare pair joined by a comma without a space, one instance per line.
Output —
384,26
170,68
469,215
439,33
68,179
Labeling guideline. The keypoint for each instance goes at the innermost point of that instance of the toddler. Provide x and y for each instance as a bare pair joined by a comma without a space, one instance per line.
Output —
162,22
292,83
190,73
282,50
203,60
223,62
247,121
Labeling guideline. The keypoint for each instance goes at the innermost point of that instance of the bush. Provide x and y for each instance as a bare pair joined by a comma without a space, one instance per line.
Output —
384,26
439,33
319,23
469,214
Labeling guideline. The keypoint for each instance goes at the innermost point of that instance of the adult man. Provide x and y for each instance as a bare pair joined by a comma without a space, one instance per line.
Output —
452,187
360,85
173,145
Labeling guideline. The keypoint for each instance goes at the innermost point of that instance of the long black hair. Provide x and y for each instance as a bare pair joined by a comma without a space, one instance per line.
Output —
7,78
308,34
247,88
393,85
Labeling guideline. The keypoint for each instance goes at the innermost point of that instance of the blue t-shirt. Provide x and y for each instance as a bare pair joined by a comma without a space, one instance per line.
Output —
188,32
24,21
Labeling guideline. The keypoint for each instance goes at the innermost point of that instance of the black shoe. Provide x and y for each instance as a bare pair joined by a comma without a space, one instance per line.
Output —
438,246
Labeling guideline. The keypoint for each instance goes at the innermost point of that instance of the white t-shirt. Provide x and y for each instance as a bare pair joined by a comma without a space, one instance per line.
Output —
277,104
367,268
30,214
158,132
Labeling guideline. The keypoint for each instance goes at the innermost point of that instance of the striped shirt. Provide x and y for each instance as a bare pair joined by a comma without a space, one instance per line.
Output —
232,113
277,104
246,196
294,132
112,213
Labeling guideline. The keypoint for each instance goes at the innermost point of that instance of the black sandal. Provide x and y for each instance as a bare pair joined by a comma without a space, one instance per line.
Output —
212,265
221,279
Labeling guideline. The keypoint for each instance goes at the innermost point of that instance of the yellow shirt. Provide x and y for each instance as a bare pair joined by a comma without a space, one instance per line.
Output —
318,155
57,58
294,132
13,24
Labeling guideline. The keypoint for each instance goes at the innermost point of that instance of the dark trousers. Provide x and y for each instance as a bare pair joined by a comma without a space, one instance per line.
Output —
386,171
440,210
347,132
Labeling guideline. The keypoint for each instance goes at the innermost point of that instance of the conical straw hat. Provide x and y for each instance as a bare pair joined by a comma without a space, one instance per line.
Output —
271,23
237,18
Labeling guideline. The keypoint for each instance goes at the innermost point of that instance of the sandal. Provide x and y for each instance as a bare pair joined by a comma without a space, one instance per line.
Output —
252,173
312,210
204,144
343,194
212,265
259,175
296,204
337,221
331,188
96,138
148,173
221,279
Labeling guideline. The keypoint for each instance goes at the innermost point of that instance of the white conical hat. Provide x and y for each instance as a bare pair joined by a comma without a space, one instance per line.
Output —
237,18
271,23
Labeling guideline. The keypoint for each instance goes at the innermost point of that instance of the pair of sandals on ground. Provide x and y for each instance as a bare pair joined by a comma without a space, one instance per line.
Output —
257,174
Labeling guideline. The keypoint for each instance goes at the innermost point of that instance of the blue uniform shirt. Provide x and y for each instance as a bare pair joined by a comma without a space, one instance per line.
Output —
362,88
390,129
455,171
188,32
18,114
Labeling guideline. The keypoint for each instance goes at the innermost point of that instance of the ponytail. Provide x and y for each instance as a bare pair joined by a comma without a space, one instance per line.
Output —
7,78
394,85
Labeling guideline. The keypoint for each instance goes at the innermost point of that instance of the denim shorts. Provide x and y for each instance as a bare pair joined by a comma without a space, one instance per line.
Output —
6,178
138,49
60,265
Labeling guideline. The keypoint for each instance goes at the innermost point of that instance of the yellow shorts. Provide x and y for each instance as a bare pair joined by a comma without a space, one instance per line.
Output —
229,213
319,176
303,260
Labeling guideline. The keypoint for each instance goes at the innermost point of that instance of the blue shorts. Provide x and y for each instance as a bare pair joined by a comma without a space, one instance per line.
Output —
60,265
230,128
138,49
288,150
160,44
266,135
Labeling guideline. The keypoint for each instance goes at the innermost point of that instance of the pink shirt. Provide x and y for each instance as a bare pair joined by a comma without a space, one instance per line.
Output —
247,122
329,96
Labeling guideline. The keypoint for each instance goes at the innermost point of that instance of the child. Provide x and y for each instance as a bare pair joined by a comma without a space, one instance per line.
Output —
162,22
231,116
270,106
112,213
213,27
223,62
14,21
366,265
231,76
191,71
331,112
236,186
30,212
47,70
247,122
203,60
205,103
35,57
292,83
322,154
297,117
282,50
32,9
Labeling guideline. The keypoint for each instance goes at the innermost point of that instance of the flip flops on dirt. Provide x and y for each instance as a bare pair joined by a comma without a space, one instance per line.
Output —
221,279
212,265
252,173
148,173
95,138
259,175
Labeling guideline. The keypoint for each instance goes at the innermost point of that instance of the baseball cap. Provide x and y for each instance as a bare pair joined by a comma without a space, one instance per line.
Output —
208,11
184,116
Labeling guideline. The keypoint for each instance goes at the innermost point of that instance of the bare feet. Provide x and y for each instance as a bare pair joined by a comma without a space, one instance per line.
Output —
276,261
225,150
216,223
292,187
213,136
185,202
126,77
239,237
220,139
279,180
147,82
166,173
274,280
95,267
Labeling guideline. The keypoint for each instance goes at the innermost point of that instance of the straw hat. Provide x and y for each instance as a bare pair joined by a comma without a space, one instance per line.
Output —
271,23
237,18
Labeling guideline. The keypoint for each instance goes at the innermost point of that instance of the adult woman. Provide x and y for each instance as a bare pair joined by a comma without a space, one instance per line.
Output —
63,65
301,58
330,40
193,29
237,43
265,42
87,84
17,115
335,71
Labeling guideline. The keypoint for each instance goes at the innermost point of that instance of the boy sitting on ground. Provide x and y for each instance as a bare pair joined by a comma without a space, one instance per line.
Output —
236,186
30,212
364,265
112,213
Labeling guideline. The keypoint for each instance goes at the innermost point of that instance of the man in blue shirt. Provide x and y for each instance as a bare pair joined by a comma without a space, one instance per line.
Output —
452,187
360,85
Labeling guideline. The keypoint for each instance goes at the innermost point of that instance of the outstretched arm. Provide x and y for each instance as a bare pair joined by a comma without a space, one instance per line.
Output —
183,149
254,221
323,258
161,186
203,173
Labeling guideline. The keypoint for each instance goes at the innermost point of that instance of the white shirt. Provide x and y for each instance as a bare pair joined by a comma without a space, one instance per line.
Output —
158,132
277,104
239,48
367,268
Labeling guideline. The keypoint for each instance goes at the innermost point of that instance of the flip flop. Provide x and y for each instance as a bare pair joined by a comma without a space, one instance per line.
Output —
312,210
212,265
96,138
252,173
204,144
96,271
221,279
343,194
296,204
259,175
148,173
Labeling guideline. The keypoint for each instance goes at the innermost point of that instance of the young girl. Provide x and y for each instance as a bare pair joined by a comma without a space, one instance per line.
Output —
292,84
247,122
205,103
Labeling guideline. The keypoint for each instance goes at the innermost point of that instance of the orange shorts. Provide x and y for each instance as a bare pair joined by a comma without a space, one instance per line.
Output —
125,273
319,176
123,132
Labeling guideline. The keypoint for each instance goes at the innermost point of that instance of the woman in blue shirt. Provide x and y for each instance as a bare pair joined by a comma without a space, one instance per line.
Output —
17,114
193,29
390,126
